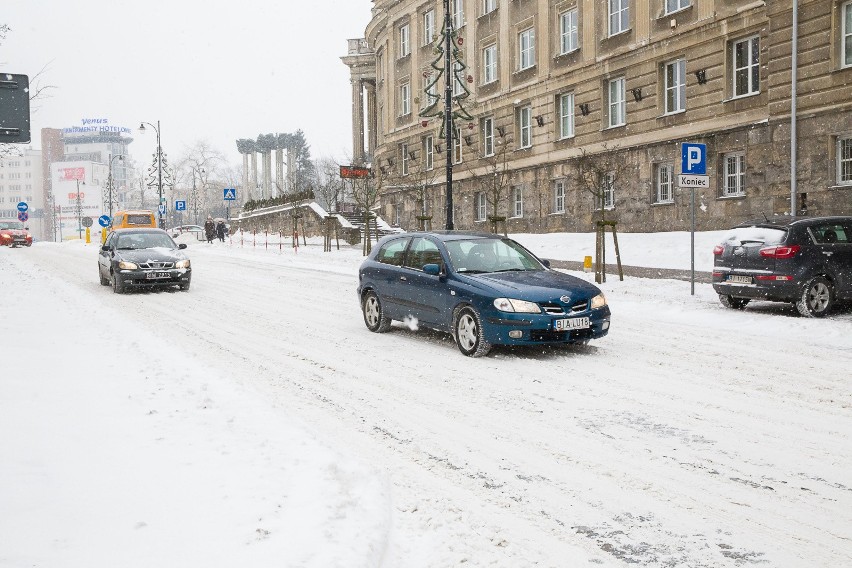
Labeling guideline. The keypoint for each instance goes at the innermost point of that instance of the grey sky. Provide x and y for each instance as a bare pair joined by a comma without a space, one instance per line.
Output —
217,70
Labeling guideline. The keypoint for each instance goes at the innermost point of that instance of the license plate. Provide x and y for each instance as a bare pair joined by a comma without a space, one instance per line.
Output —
569,324
152,275
737,279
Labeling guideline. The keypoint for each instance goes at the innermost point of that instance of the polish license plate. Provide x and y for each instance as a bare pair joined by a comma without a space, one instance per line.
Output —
569,324
737,279
153,275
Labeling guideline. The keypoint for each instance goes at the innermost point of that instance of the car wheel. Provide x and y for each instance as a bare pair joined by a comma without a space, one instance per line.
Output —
184,287
104,281
733,303
817,298
117,285
469,335
374,314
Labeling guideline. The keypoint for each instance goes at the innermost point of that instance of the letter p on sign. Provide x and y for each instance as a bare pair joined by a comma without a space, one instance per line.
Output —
693,159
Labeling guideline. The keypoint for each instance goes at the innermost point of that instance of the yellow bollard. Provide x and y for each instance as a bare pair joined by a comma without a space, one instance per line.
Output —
587,264
88,235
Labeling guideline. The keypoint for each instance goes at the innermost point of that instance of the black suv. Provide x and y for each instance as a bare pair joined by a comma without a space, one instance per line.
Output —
807,261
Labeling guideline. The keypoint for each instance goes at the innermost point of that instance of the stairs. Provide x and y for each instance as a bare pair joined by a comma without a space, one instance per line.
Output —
378,227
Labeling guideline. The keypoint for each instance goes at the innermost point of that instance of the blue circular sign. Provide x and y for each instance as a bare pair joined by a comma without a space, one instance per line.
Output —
104,220
22,206
23,216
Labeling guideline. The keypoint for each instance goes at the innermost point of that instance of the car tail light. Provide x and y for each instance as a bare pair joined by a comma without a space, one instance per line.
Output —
718,250
776,277
717,274
780,251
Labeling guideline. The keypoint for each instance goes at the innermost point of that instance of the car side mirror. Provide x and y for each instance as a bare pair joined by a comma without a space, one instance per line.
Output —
545,262
182,246
105,248
433,269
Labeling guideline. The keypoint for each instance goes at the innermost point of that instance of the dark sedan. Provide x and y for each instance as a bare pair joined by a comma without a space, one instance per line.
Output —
143,258
805,261
482,288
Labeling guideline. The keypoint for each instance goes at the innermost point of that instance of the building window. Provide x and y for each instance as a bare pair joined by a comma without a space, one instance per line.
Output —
665,184
403,154
517,201
525,126
676,5
566,115
676,86
559,196
844,160
616,103
405,99
397,214
404,41
488,136
489,64
458,13
747,67
457,150
480,205
428,153
568,31
846,34
734,174
458,87
608,187
428,27
619,16
526,47
488,6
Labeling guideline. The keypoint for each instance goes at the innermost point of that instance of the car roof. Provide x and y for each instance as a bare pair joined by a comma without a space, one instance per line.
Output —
784,221
137,230
446,235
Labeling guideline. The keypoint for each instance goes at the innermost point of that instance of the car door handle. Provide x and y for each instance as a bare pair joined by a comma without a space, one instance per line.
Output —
403,278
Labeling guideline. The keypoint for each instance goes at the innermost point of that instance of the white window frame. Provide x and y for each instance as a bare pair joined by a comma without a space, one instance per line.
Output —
733,175
846,35
609,191
673,6
619,16
457,150
404,40
518,201
488,136
616,102
489,64
481,206
664,190
458,13
428,153
566,116
568,37
525,127
428,26
526,49
559,196
844,160
751,67
403,150
488,6
405,99
675,86
458,87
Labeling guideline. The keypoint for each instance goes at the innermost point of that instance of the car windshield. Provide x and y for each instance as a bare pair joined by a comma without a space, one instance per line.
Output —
135,241
478,256
762,235
11,225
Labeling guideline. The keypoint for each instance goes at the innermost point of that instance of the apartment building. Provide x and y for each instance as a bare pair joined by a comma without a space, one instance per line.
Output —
616,86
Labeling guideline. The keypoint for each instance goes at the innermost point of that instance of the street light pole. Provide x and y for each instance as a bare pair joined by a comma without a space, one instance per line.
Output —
448,111
79,212
109,181
159,170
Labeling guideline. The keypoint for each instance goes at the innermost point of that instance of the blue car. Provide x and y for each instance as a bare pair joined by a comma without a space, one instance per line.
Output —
482,288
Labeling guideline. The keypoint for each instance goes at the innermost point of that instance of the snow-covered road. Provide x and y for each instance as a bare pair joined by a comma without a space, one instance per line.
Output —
690,436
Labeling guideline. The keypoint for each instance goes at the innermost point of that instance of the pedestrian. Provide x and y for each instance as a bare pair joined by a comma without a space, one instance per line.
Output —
210,229
221,230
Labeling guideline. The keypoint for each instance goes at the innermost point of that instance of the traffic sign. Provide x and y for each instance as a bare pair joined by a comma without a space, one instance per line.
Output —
229,194
162,208
180,205
702,182
23,216
693,158
22,206
104,220
87,222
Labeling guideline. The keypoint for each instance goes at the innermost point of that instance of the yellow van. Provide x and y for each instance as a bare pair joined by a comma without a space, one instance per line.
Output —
133,219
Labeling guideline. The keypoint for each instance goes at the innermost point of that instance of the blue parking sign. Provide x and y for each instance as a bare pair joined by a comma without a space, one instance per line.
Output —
180,205
693,159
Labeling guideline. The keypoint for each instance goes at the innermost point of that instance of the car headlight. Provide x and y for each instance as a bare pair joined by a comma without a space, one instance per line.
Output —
182,264
124,265
520,306
598,301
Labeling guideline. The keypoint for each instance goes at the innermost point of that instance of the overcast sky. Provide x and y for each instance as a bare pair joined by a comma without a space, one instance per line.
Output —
216,71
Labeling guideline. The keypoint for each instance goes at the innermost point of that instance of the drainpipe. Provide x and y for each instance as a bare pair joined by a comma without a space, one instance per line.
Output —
794,71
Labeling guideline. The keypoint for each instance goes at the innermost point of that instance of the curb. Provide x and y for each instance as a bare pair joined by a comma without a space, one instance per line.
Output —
640,271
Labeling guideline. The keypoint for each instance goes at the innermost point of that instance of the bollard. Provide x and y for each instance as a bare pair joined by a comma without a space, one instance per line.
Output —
587,264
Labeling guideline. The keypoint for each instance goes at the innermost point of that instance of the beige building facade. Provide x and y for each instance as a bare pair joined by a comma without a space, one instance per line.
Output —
621,85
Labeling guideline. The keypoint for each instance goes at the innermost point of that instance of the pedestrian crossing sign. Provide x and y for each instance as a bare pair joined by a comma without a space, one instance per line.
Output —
230,194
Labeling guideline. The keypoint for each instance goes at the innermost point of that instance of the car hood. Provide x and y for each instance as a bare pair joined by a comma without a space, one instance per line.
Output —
537,285
14,232
151,254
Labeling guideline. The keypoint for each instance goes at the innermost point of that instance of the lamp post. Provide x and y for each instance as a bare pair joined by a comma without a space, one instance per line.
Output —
79,212
109,182
159,169
195,191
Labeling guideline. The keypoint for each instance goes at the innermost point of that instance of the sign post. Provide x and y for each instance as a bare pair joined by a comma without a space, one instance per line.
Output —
693,173
229,194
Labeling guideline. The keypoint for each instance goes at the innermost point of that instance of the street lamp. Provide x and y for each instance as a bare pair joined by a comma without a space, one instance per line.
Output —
109,181
160,206
79,211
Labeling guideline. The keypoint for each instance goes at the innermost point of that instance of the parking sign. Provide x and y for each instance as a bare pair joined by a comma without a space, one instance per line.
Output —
693,159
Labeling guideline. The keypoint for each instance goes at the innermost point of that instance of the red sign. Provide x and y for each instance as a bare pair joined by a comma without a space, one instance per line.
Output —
70,174
354,172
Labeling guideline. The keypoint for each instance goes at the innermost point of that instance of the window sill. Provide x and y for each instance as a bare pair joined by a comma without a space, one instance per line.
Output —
613,127
622,32
737,196
569,52
674,113
841,186
662,203
675,12
741,97
524,70
564,138
494,11
555,213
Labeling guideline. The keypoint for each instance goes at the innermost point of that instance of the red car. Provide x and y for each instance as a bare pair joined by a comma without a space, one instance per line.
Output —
14,234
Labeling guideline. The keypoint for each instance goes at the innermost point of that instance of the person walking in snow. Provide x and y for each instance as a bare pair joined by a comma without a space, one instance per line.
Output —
221,230
210,229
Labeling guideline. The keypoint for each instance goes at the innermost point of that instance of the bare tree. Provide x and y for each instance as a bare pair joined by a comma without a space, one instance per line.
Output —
418,182
493,181
329,185
365,193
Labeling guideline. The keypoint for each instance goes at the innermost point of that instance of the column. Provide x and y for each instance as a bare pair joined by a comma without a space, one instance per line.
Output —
372,126
357,120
